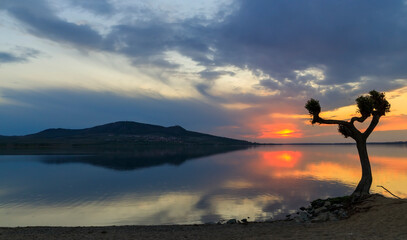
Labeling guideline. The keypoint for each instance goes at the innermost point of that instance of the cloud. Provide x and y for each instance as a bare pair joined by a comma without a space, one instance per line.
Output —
79,109
292,50
95,6
41,21
143,42
348,39
21,54
9,57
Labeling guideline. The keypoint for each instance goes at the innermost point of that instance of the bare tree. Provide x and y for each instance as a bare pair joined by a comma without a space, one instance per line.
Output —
375,105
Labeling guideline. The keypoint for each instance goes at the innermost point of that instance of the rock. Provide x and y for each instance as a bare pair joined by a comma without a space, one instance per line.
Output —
298,219
244,221
311,211
304,216
269,220
232,221
337,205
210,223
332,217
327,204
342,214
320,210
317,203
322,217
302,208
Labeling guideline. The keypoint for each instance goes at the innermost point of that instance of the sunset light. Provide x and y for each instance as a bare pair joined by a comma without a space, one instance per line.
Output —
115,114
285,133
255,92
278,131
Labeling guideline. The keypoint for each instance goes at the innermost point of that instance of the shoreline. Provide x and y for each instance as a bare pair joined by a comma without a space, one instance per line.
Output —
376,217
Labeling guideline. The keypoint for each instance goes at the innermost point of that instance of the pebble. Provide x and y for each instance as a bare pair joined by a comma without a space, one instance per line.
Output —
319,211
232,221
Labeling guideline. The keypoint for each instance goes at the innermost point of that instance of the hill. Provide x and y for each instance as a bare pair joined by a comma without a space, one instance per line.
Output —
123,134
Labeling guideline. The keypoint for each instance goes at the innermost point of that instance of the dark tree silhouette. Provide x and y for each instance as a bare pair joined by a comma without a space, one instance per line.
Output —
375,105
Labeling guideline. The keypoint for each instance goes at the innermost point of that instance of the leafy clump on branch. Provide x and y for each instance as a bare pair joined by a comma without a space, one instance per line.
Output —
313,106
374,104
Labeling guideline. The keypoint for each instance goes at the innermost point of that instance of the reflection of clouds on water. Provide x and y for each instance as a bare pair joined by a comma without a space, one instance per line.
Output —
237,184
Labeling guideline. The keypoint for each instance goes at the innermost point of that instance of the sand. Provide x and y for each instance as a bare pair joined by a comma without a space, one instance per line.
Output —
375,218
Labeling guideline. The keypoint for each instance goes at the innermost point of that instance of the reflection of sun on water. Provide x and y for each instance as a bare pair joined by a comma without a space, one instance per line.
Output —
339,167
286,159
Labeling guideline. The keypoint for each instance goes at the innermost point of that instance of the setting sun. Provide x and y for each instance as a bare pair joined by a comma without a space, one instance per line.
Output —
279,131
285,133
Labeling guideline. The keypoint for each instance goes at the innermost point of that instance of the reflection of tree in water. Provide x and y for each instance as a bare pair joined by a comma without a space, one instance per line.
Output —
143,157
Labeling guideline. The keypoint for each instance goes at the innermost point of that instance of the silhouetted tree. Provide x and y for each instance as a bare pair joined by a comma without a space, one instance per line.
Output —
375,105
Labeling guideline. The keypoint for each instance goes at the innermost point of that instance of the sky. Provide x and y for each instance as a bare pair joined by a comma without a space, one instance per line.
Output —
236,68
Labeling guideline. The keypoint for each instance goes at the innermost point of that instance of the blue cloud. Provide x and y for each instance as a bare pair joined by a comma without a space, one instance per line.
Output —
79,109
23,55
41,21
96,6
9,57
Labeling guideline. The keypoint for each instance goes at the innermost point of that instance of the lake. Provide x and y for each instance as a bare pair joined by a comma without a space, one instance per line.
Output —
187,186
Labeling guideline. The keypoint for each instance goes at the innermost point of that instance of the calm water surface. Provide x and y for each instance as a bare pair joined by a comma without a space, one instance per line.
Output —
168,188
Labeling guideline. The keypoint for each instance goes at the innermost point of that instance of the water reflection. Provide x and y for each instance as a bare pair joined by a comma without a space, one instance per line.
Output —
164,187
278,159
144,157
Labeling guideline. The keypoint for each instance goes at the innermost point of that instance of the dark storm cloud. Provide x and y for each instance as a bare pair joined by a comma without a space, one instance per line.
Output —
350,38
347,39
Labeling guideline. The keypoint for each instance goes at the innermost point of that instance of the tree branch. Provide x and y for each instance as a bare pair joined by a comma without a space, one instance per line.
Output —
318,119
354,132
359,119
389,191
373,124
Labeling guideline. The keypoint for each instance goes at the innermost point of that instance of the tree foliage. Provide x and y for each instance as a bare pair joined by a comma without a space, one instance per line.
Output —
379,102
344,130
313,108
374,103
365,106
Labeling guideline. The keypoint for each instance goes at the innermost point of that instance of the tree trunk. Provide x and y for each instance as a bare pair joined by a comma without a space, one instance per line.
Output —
366,181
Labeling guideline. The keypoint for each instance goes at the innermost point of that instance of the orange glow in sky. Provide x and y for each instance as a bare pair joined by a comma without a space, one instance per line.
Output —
279,131
285,132
396,119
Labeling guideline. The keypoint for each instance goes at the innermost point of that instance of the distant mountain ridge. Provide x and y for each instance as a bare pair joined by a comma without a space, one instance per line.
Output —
117,135
118,128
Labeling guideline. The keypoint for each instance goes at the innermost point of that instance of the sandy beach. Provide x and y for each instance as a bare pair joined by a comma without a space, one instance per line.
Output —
375,218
